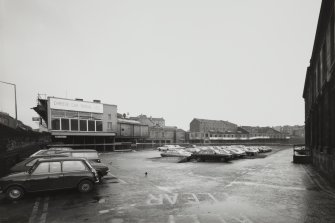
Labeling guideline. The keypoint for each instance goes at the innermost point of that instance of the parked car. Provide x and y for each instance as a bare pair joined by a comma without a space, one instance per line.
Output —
176,153
165,147
264,149
50,151
251,151
91,155
238,153
51,174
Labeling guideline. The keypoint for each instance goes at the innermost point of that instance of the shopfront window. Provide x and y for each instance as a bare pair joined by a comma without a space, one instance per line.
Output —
55,124
98,126
74,125
83,125
65,124
91,125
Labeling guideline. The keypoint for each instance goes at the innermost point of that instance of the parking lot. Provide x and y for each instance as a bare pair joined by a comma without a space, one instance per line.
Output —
270,189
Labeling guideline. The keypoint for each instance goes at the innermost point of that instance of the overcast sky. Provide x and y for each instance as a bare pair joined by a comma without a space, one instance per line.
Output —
238,60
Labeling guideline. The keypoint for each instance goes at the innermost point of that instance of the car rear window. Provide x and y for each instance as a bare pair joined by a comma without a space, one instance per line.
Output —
69,166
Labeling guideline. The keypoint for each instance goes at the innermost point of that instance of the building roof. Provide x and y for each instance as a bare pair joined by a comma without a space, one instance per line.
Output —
260,130
129,121
213,121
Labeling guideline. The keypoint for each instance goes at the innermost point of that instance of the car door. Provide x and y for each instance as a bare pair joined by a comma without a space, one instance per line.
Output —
39,178
55,176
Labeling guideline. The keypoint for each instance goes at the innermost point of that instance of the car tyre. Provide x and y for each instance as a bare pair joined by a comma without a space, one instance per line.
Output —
14,193
85,186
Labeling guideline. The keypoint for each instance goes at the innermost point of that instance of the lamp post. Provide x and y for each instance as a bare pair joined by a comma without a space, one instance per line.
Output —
15,97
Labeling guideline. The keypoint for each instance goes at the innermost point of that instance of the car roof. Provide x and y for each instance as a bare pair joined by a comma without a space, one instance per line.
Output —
78,151
61,159
60,148
50,155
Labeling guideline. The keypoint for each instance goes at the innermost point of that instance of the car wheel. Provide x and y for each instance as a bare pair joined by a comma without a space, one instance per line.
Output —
85,186
100,177
14,193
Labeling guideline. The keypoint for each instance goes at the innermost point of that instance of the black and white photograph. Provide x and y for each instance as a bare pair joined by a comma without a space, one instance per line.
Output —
178,111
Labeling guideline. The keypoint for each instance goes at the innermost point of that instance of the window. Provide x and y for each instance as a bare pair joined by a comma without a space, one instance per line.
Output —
109,116
69,166
83,125
98,126
55,167
31,163
74,125
91,125
109,125
65,124
55,124
42,168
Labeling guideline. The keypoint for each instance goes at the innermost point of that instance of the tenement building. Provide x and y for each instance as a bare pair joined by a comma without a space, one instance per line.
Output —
319,94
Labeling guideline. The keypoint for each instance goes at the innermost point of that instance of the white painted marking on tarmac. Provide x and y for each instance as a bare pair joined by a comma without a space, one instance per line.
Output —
122,181
266,185
45,210
101,201
192,199
213,198
34,211
103,211
171,219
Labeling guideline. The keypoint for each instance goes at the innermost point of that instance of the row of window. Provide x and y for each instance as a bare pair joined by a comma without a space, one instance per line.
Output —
322,63
82,125
56,167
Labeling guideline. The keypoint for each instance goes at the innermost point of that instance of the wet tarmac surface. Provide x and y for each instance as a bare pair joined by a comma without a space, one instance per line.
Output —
270,189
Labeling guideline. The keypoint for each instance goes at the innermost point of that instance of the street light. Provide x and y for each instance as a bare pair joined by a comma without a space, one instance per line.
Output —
15,97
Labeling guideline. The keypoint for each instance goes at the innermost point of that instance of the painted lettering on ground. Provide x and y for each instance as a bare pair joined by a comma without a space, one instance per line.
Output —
182,198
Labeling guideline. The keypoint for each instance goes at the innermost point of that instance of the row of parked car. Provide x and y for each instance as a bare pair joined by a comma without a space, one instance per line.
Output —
54,168
202,153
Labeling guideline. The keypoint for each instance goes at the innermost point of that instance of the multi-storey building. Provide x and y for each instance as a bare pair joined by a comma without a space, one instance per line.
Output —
319,94
78,123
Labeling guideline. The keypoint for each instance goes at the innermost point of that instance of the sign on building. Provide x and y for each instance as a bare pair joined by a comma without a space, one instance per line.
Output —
72,105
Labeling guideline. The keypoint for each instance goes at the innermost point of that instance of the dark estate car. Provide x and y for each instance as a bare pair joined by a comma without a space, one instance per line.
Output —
51,174
26,164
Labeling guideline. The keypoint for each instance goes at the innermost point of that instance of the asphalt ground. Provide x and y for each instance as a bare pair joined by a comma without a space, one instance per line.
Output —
267,189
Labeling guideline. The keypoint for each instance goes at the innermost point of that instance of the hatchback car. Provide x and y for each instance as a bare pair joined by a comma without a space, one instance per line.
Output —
51,174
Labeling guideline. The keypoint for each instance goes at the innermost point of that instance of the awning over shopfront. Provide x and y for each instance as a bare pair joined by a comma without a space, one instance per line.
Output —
83,133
